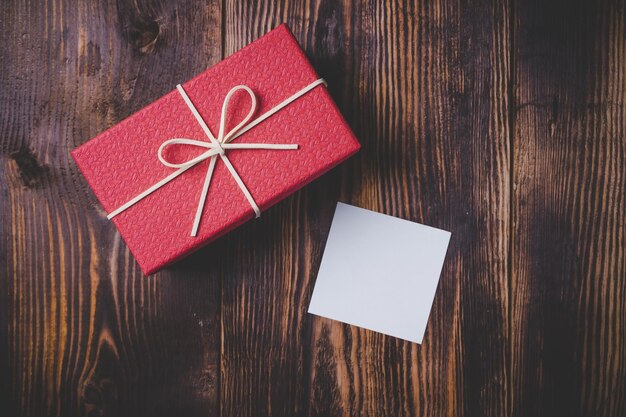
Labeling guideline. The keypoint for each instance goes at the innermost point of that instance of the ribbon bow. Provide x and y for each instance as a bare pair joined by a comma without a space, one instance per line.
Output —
217,147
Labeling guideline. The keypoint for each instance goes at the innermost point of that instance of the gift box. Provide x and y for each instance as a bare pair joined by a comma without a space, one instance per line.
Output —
216,151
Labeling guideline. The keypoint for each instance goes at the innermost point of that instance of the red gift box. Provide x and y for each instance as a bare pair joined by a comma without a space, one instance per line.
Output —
123,162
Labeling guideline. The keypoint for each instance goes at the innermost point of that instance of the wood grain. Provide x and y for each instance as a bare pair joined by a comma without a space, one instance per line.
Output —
83,332
425,90
501,121
569,250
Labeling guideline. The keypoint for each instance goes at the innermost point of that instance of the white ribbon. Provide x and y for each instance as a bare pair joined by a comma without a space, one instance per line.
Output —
217,147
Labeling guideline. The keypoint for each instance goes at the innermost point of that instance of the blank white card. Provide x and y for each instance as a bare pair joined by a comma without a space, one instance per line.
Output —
379,272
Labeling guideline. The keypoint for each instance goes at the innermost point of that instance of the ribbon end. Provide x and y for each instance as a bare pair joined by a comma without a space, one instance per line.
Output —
194,229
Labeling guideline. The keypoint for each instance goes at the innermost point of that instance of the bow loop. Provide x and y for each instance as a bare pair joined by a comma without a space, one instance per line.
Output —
213,149
225,138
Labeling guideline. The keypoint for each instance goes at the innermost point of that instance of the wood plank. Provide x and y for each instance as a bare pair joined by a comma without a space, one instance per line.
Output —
569,257
425,88
83,332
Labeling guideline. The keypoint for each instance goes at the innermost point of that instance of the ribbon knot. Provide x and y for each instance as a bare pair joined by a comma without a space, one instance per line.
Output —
217,147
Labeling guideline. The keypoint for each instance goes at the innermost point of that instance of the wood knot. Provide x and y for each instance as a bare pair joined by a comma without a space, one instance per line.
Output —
330,41
31,171
99,398
330,36
143,34
90,60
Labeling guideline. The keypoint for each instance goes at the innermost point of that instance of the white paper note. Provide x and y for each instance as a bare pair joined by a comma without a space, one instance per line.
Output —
379,272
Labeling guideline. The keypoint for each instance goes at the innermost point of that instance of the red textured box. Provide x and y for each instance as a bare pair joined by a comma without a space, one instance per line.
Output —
122,162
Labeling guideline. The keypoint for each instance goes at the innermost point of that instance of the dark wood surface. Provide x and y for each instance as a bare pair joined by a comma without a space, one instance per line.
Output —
501,121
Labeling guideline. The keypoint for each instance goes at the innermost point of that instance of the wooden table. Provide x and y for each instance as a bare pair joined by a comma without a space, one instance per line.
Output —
502,122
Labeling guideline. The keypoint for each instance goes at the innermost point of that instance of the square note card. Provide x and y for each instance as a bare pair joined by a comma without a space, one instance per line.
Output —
379,272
